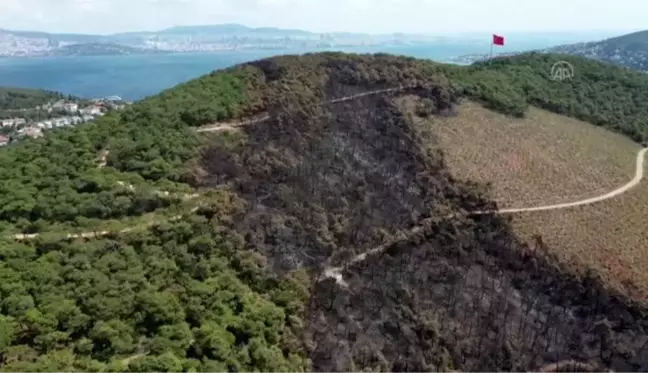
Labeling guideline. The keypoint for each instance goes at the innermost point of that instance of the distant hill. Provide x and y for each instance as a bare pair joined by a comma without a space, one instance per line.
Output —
234,29
188,39
629,50
96,49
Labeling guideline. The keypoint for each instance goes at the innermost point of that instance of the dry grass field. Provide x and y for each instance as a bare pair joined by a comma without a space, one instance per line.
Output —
547,159
610,236
538,160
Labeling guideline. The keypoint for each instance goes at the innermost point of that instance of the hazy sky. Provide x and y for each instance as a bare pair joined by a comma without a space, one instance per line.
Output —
374,16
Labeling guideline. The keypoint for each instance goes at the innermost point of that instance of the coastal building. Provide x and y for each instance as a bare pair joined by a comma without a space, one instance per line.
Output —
71,107
91,110
59,122
14,122
59,105
31,132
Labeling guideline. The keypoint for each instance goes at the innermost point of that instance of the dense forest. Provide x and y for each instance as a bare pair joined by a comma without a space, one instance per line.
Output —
23,98
21,102
238,285
599,93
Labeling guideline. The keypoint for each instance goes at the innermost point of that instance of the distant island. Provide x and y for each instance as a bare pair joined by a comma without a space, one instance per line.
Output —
189,39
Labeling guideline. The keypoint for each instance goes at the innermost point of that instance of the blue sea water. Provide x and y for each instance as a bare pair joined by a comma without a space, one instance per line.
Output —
136,76
132,77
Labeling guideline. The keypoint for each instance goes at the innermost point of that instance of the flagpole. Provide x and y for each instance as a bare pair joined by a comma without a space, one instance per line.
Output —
491,53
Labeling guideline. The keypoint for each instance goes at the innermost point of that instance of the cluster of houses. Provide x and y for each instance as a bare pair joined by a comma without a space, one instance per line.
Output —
71,114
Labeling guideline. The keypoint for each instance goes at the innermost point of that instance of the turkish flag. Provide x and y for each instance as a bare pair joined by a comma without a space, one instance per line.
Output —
498,40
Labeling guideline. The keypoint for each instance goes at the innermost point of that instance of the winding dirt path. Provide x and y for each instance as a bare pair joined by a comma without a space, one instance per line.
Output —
96,234
102,162
214,127
570,366
220,126
639,174
336,272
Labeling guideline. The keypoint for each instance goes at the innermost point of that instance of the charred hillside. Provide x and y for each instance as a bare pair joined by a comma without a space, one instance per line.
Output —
329,181
324,182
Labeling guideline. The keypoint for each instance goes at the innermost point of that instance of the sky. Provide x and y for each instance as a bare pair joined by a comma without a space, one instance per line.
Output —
368,16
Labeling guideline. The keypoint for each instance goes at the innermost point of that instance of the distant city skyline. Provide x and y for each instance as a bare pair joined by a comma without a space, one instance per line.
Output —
365,16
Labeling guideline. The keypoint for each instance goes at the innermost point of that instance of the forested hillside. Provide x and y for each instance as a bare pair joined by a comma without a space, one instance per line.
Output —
629,50
227,271
599,93
19,98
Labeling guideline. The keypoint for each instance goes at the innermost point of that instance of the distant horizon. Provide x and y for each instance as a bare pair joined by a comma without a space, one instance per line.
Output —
446,33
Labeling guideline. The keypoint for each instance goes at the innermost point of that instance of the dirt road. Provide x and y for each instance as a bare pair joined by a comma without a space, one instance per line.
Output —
336,272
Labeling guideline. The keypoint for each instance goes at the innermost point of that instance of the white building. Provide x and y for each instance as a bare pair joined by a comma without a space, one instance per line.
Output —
14,122
94,110
71,107
31,131
59,105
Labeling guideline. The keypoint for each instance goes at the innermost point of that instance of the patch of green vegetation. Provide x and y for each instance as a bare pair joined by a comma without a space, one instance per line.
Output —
55,179
231,93
182,296
23,98
599,93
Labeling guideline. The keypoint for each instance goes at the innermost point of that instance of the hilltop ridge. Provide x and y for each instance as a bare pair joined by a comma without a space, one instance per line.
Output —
629,50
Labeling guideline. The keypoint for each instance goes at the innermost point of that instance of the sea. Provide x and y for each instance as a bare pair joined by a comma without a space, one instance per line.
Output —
134,77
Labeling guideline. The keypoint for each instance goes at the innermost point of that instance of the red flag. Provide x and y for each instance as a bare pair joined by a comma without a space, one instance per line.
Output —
498,40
